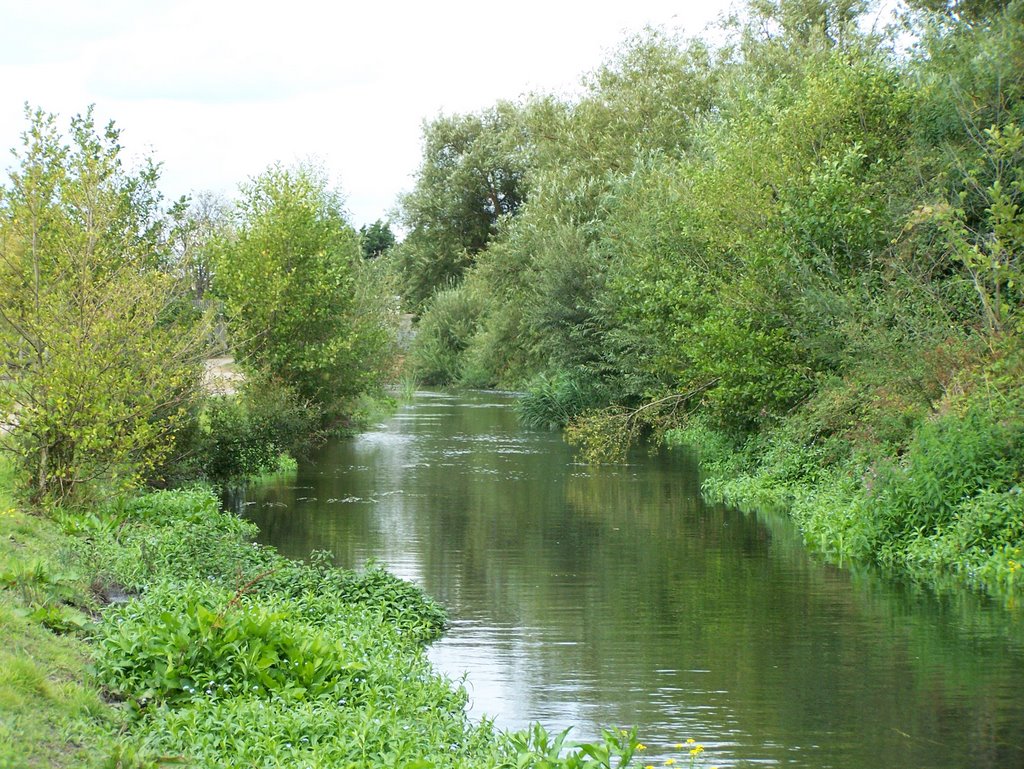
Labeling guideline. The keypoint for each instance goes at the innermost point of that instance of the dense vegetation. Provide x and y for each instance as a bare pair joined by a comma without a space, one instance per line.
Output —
99,360
303,310
796,250
146,628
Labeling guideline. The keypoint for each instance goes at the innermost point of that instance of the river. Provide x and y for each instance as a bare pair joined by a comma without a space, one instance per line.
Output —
614,596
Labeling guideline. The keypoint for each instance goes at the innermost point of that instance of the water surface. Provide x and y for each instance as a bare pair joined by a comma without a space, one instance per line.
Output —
612,596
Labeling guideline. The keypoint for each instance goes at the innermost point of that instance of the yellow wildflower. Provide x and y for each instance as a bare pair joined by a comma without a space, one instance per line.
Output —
697,750
641,746
690,741
669,762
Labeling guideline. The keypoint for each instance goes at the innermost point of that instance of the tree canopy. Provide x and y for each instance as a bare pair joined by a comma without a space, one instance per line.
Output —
376,239
739,214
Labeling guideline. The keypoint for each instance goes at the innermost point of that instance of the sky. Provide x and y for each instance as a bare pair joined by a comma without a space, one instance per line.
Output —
217,90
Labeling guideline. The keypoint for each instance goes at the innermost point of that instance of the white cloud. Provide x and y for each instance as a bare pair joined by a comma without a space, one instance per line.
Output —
217,90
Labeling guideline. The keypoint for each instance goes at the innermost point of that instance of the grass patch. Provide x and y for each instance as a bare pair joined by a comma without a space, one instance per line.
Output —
51,714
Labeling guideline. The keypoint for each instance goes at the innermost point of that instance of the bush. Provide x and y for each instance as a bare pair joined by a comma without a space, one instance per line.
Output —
245,435
451,318
950,461
302,305
551,402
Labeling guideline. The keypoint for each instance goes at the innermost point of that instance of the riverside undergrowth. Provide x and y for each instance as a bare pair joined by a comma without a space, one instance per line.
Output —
940,499
229,654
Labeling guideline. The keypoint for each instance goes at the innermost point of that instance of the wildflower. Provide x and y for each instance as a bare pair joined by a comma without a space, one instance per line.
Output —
689,741
641,746
696,750
669,761
679,745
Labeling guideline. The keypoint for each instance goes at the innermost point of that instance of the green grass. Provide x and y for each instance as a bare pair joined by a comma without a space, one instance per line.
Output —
51,713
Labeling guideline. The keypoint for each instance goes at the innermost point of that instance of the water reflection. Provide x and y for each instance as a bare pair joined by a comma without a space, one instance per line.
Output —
613,595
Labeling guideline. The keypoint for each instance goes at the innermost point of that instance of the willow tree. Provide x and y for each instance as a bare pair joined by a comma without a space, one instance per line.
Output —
472,175
98,366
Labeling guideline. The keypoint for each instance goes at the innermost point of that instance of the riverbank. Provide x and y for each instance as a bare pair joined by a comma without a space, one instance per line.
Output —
156,629
156,632
930,488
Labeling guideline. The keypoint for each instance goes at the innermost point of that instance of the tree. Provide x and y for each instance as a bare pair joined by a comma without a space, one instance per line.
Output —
97,371
471,177
376,239
969,11
199,224
295,293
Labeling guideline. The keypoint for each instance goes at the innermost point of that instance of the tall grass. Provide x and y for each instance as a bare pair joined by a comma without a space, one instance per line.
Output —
6,483
551,402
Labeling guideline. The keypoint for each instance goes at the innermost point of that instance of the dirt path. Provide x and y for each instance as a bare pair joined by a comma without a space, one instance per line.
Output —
221,377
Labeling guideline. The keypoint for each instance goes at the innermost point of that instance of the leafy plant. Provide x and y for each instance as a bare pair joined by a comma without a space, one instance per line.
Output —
550,403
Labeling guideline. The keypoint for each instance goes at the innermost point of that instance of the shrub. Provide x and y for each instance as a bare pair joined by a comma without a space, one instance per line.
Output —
245,435
451,317
951,461
551,402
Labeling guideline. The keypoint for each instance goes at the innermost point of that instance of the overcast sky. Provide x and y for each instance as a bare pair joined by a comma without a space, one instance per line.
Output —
216,91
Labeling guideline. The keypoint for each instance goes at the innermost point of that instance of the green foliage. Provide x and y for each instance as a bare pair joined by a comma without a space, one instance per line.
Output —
442,336
100,366
535,747
961,477
218,652
301,307
807,247
376,239
45,697
239,443
951,504
470,178
213,644
550,403
992,251
963,10
225,632
245,435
